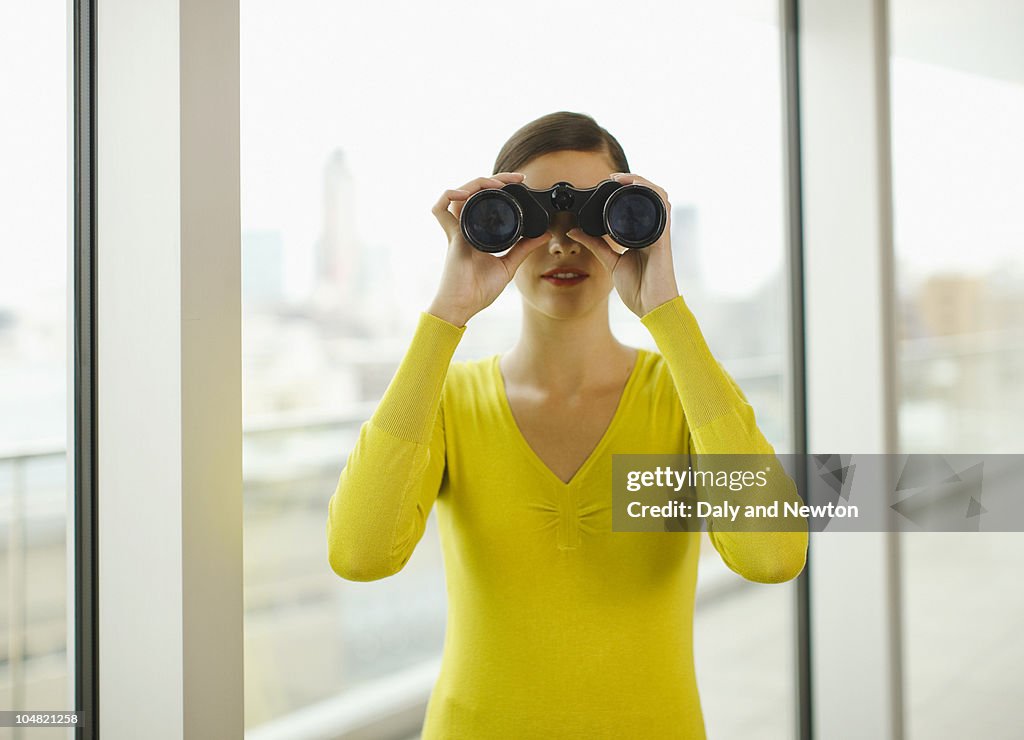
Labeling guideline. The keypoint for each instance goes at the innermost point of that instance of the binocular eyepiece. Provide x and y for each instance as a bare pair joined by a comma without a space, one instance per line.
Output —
633,215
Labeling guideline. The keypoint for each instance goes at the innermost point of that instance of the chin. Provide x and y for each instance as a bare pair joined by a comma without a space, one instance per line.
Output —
563,308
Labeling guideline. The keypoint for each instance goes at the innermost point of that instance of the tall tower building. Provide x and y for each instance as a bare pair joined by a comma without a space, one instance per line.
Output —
339,288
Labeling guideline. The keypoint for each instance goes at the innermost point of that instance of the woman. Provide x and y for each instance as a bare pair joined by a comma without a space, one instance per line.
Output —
557,626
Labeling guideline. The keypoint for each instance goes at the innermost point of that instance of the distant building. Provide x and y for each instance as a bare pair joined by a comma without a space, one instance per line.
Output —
8,322
747,327
8,318
953,304
339,295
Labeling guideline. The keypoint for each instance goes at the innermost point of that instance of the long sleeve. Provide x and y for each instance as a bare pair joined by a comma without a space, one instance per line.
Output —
721,421
379,510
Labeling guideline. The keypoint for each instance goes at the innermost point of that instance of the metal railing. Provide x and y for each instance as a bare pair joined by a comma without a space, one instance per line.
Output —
14,512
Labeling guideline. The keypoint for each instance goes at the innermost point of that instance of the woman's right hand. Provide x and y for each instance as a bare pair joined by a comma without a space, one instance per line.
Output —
471,279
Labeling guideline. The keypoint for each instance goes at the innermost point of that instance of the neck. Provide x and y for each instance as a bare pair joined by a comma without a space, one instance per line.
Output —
566,353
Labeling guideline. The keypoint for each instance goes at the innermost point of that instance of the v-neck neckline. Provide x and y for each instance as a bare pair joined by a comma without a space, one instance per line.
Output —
530,453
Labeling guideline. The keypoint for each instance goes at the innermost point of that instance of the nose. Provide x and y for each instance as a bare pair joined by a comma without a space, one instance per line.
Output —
562,244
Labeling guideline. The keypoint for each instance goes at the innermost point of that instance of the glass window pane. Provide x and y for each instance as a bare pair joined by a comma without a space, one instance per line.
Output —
354,120
34,419
957,114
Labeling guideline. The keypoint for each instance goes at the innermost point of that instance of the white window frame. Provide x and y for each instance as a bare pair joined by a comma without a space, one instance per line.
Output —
169,369
855,648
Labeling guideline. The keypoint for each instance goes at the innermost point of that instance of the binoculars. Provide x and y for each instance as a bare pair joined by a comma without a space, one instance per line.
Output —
493,220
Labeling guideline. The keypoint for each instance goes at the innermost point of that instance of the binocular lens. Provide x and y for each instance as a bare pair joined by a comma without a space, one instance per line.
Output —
493,222
633,218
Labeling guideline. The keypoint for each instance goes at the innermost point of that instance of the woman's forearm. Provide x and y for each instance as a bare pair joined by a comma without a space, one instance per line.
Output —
722,422
379,509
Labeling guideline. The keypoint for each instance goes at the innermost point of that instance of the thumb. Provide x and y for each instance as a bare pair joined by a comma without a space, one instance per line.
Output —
608,256
522,249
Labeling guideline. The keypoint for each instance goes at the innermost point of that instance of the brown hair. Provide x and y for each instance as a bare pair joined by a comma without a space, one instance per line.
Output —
557,132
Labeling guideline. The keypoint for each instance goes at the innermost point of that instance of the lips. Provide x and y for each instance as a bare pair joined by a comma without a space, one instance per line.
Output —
565,276
566,271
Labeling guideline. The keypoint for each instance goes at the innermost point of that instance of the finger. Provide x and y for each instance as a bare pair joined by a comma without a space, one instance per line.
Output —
599,247
522,249
475,186
457,207
482,183
628,178
509,176
614,245
445,217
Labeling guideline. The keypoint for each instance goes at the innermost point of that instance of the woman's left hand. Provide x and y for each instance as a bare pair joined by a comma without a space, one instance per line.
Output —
644,278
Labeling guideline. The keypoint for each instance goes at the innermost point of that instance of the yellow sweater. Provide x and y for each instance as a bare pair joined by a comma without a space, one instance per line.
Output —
557,627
